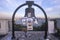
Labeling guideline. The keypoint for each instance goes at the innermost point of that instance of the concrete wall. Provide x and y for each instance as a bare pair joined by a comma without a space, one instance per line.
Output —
58,23
51,28
10,25
4,27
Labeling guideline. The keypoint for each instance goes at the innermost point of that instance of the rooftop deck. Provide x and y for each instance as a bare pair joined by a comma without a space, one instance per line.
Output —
31,35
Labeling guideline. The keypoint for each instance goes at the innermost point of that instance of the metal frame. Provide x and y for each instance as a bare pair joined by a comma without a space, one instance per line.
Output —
30,3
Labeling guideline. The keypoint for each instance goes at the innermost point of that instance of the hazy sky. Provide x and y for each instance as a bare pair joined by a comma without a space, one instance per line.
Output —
52,7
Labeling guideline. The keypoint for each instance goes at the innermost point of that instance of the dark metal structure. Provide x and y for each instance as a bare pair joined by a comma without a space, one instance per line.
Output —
29,3
29,10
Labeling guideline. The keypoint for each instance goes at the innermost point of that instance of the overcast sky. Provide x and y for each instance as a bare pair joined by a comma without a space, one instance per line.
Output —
52,7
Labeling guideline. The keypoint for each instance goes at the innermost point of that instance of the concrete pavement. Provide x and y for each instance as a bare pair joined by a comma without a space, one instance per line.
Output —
31,35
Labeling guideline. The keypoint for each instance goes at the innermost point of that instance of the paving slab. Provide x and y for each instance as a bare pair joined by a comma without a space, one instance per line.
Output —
31,35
